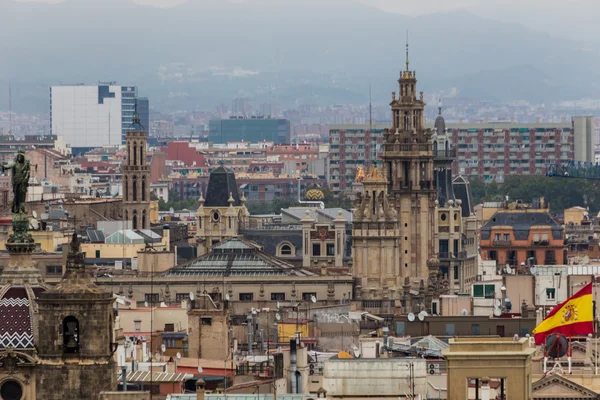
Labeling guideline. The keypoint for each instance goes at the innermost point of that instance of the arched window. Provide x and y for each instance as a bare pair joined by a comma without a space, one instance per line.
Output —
286,250
141,154
134,220
143,188
144,219
71,335
129,155
134,189
134,154
126,188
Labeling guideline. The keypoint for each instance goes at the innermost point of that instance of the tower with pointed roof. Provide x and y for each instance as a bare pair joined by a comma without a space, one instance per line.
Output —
376,241
136,178
221,215
76,343
444,156
409,168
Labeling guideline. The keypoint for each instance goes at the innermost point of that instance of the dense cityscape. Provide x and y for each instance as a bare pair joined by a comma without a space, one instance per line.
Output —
161,243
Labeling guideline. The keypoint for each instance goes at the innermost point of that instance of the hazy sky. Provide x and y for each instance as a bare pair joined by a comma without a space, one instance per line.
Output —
575,19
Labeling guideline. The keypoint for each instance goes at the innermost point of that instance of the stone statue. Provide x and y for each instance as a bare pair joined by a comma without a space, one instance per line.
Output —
20,170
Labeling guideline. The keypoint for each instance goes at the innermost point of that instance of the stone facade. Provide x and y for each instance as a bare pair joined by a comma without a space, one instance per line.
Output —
376,240
76,330
136,181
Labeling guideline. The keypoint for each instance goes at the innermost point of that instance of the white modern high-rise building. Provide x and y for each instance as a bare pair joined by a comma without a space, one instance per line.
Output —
92,116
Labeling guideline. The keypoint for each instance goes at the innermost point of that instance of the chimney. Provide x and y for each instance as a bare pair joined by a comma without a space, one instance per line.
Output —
200,389
294,386
385,330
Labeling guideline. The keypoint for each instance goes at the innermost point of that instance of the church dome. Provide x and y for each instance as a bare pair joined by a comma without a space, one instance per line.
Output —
17,306
314,194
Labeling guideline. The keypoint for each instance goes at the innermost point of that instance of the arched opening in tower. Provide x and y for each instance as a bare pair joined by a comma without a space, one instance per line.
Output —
71,335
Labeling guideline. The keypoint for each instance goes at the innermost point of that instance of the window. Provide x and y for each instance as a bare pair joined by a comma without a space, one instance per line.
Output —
456,272
475,330
330,249
97,253
497,237
550,294
306,296
138,325
246,296
151,298
206,321
286,250
179,297
54,269
11,390
484,291
316,249
278,296
169,328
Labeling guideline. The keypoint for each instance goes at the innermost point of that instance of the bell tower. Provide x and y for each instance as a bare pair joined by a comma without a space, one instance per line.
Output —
409,164
136,178
76,347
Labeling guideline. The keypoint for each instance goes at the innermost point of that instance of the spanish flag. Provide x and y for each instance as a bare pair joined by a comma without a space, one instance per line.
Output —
573,317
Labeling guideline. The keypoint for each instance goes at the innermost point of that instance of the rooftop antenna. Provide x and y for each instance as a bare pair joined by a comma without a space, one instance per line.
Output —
9,109
407,49
370,110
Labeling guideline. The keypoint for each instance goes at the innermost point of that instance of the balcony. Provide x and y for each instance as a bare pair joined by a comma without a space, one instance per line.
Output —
502,243
442,155
443,256
543,242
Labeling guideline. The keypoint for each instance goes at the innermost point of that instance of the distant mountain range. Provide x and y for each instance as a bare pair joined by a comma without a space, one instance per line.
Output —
298,51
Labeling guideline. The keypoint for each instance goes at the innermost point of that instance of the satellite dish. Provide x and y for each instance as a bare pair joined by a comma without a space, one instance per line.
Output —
254,311
199,369
357,352
178,355
556,345
464,312
35,225
508,269
227,297
532,269
497,303
313,299
279,350
34,213
277,317
145,304
163,304
171,210
411,317
422,315
192,296
497,312
163,348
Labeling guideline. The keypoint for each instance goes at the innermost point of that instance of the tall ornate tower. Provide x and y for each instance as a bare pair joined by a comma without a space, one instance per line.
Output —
223,213
376,241
136,178
408,159
76,336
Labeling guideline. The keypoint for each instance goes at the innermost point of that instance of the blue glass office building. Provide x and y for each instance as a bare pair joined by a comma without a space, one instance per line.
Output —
255,129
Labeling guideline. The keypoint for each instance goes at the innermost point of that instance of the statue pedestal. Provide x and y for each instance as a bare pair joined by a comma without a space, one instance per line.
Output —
20,233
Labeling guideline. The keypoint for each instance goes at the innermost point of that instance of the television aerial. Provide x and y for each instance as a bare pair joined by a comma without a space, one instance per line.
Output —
313,299
464,312
411,317
422,315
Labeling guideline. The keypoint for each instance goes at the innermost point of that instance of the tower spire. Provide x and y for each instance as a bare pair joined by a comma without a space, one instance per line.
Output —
407,50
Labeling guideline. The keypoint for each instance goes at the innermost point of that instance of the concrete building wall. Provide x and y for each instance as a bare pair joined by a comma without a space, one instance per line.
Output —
374,377
583,132
208,334
161,317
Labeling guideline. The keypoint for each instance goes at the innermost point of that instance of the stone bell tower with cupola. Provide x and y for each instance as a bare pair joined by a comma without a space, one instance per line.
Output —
76,343
376,242
409,168
136,178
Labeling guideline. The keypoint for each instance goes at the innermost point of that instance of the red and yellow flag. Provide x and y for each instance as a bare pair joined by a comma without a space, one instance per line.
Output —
573,317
